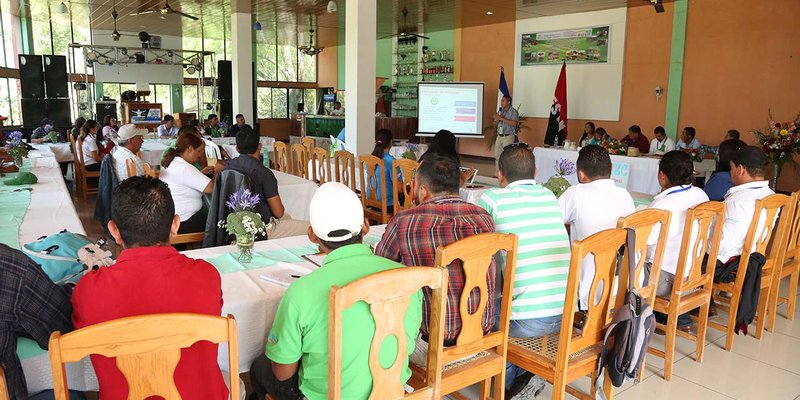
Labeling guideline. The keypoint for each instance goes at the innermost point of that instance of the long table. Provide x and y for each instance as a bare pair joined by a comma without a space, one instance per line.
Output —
251,299
296,194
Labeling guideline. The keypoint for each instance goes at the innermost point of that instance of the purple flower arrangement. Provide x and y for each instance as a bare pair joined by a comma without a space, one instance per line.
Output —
243,200
564,167
16,147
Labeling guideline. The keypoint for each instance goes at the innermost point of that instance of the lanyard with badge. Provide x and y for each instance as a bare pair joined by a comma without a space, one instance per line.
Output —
662,145
682,189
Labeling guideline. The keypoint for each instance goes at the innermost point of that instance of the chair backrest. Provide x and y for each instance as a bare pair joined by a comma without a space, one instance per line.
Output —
388,295
309,143
147,350
78,151
3,385
643,222
477,254
760,234
130,167
604,245
281,151
149,171
345,166
373,182
403,171
793,234
697,235
299,161
321,165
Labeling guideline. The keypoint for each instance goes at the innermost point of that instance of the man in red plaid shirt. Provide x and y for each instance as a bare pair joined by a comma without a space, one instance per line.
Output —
440,218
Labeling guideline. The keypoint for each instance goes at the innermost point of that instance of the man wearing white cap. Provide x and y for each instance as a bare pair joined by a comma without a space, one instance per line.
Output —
298,341
129,143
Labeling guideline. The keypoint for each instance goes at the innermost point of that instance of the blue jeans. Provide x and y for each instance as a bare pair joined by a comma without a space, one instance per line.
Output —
524,328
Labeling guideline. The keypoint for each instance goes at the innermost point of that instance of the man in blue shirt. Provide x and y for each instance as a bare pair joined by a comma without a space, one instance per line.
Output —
167,130
507,118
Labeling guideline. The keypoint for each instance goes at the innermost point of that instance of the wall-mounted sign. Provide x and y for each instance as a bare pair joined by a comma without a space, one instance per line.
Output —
575,46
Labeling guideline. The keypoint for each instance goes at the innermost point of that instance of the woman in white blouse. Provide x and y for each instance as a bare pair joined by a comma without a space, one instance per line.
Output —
186,183
92,155
110,127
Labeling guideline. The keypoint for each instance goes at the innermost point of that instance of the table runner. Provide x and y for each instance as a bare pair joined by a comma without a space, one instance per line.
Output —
15,203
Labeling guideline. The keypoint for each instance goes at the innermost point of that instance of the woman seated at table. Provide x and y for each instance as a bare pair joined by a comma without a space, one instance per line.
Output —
588,135
92,150
600,136
443,143
110,127
186,183
720,182
383,143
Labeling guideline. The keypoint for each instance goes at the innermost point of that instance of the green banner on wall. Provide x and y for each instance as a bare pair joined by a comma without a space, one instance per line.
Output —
576,46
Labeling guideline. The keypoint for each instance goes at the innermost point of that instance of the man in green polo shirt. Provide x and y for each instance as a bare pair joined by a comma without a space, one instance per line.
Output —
530,211
296,362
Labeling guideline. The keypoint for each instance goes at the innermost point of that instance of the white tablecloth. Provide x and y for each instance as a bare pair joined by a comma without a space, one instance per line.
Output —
642,171
296,194
152,149
61,151
471,193
251,300
397,151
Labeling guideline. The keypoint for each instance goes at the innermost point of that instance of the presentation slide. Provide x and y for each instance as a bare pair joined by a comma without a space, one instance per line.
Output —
454,106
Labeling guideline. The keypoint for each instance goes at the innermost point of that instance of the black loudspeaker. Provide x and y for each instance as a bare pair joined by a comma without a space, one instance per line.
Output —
226,110
59,111
55,76
33,112
105,108
225,80
31,76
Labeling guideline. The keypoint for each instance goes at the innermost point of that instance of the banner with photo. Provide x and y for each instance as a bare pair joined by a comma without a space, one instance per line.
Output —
575,46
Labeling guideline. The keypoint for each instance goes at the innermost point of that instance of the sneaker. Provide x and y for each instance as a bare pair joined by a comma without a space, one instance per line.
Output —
532,390
519,383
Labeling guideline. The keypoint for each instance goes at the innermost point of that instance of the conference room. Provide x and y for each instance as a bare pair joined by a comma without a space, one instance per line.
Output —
352,199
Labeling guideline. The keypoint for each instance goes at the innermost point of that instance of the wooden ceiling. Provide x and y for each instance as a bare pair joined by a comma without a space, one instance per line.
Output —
291,17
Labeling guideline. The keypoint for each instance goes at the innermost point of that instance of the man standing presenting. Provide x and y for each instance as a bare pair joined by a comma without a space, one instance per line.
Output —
507,118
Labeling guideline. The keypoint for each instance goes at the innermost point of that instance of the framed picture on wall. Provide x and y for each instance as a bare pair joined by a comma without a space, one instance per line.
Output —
575,46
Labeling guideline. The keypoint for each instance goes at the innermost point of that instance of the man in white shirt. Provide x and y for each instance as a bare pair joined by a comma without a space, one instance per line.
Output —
128,145
338,110
592,206
661,144
168,130
675,175
688,142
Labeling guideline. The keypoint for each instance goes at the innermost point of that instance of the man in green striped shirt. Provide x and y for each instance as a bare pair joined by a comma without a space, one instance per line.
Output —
529,210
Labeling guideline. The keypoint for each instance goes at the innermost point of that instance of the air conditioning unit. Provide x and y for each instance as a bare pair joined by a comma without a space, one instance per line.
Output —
155,42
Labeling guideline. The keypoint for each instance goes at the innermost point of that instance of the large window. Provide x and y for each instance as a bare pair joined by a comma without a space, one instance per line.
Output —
272,102
162,93
12,38
283,62
9,101
113,90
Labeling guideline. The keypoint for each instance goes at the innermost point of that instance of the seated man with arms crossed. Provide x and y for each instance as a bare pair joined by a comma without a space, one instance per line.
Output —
151,277
675,175
296,362
592,206
531,212
440,218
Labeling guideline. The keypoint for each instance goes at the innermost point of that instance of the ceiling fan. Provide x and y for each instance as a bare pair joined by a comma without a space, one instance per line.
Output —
403,28
164,11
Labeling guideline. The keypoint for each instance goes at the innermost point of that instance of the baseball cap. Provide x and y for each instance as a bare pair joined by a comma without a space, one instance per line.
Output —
751,157
335,208
129,131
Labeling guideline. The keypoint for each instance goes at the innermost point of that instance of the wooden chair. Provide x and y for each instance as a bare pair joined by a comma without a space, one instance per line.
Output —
791,267
345,168
388,295
149,171
81,174
758,239
4,385
187,238
309,144
373,184
281,151
321,165
299,161
476,357
403,171
695,290
147,350
130,167
564,357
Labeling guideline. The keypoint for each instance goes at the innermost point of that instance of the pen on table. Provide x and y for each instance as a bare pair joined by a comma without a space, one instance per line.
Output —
295,276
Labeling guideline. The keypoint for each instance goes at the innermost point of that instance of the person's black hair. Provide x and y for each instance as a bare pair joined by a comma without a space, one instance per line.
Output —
659,129
107,120
753,159
635,129
187,139
168,118
727,149
195,123
239,115
586,135
602,131
517,163
444,143
508,98
678,168
733,133
212,116
143,210
383,138
87,128
690,131
595,162
247,140
441,174
341,232
79,122
337,102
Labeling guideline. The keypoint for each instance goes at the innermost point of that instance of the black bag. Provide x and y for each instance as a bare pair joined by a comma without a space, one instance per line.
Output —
631,328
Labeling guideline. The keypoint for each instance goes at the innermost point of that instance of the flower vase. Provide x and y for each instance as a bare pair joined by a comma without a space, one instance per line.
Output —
18,161
777,167
245,245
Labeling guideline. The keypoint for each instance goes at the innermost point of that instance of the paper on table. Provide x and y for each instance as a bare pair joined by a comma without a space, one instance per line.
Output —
284,274
281,255
304,250
228,263
371,240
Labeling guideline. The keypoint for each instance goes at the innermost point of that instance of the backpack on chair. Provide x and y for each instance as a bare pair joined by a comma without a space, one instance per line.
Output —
631,328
